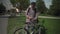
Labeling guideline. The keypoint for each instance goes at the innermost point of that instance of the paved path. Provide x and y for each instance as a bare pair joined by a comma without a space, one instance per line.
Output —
3,25
4,22
49,17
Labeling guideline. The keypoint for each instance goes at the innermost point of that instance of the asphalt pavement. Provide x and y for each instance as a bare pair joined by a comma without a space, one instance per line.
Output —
3,24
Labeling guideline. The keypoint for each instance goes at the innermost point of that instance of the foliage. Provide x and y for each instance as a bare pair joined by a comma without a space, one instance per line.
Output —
55,8
41,6
23,4
2,9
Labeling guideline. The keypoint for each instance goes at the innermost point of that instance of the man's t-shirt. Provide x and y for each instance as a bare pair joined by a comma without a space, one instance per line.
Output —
31,13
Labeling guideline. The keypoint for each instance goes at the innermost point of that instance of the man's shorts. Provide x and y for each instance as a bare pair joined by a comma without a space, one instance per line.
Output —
31,24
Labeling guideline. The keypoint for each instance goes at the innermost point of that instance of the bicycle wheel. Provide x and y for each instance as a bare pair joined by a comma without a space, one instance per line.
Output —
37,31
41,30
20,31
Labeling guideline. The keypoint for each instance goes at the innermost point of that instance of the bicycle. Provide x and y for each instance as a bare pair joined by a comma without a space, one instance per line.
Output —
38,29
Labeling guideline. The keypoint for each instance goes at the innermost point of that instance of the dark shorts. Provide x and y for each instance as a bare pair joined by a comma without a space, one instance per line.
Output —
31,24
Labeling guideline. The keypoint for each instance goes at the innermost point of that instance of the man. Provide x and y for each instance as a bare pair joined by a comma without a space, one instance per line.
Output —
31,15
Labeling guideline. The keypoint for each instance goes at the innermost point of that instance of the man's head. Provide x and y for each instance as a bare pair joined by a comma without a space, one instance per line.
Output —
33,4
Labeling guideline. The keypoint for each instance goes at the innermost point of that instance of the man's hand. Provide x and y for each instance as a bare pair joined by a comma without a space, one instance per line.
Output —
33,19
29,17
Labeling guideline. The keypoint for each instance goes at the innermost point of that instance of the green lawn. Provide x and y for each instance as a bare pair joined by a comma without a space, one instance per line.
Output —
52,25
14,23
48,15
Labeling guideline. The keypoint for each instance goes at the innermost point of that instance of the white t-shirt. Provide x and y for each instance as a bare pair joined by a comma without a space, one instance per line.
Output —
30,13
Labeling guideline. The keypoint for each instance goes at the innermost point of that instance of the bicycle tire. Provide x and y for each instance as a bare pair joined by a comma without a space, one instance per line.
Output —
20,31
41,30
38,31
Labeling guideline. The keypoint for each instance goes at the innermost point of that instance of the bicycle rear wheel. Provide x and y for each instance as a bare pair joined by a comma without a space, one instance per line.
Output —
20,31
37,31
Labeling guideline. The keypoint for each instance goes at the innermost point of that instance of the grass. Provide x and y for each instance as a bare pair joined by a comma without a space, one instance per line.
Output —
14,23
48,15
52,25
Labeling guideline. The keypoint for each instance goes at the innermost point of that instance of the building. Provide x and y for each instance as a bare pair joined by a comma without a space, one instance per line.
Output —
7,4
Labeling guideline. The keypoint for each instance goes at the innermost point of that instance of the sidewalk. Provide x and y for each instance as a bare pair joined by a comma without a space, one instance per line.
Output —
6,16
49,17
3,25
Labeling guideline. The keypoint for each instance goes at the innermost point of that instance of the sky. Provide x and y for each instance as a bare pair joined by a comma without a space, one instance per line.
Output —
9,5
47,2
33,0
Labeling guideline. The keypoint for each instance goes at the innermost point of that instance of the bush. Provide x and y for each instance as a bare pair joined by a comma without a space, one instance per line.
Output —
2,9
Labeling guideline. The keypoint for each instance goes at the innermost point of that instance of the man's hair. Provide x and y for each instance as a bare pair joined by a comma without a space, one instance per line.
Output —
33,3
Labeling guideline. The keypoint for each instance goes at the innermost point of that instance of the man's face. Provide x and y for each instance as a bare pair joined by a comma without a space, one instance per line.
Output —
33,6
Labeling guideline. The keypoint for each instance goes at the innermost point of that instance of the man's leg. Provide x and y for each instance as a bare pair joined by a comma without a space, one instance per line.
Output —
27,28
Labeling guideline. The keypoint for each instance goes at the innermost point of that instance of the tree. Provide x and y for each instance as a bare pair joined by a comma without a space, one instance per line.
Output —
2,9
41,6
55,8
14,2
23,3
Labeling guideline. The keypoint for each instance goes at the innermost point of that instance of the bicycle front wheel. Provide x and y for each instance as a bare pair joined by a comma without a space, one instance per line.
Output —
20,31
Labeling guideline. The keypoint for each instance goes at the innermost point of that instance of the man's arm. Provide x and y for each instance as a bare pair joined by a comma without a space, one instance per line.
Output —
37,14
27,11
